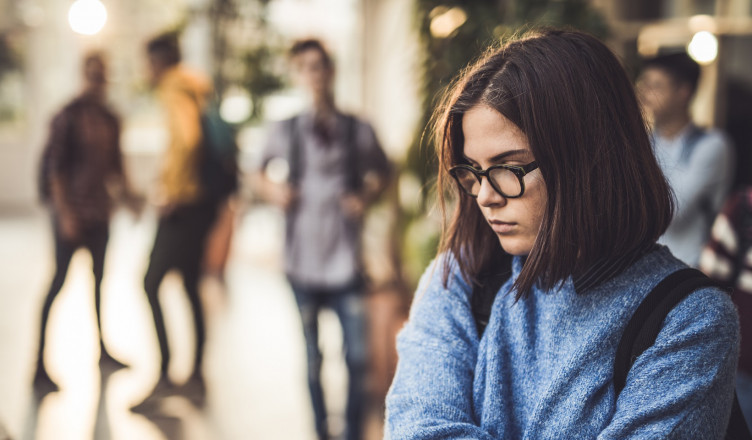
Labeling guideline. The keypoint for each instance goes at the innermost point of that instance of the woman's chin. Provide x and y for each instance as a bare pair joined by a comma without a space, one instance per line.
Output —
514,246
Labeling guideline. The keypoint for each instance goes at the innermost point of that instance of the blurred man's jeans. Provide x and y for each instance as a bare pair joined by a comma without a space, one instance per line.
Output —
349,305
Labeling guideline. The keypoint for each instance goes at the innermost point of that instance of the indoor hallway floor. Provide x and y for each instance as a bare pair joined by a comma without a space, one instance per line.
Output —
254,364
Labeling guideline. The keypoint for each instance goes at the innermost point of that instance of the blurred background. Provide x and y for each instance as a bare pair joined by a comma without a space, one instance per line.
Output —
393,58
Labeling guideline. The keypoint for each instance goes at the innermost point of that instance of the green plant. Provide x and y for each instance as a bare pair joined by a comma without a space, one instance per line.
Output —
245,50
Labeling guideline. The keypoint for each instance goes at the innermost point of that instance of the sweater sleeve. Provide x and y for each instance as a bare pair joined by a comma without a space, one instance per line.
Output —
682,386
431,395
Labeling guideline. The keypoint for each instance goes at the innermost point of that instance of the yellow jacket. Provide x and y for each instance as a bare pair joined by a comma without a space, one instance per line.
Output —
183,94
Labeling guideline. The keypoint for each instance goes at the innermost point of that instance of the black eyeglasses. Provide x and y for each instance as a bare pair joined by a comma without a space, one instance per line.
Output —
505,179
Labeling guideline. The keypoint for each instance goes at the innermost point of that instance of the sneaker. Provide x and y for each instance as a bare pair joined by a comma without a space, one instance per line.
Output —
43,385
163,389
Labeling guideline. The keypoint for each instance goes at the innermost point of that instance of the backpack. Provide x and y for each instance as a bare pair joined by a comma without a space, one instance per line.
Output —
219,169
640,332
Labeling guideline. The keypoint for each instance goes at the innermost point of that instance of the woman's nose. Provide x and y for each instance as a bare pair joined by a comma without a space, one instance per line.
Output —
487,195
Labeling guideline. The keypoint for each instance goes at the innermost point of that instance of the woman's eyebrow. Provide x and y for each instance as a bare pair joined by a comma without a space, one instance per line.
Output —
501,156
507,154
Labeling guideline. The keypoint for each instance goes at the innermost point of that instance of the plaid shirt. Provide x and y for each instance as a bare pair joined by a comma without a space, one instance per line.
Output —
83,155
728,258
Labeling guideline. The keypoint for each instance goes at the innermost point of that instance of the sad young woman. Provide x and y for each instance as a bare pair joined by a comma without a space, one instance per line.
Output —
556,181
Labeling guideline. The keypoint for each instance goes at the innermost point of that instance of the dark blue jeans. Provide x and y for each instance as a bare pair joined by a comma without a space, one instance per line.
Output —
94,238
349,305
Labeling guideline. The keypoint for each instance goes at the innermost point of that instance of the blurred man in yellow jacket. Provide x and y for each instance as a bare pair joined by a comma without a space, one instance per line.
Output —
182,93
185,213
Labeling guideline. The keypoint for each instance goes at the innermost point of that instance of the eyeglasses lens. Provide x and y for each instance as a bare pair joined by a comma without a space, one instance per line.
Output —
503,179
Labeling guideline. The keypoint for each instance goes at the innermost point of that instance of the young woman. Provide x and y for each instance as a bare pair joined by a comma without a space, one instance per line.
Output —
554,171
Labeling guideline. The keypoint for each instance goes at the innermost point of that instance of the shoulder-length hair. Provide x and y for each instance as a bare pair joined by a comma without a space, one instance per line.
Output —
607,195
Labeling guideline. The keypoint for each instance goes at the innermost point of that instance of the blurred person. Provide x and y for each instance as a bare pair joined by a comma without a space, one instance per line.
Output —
336,170
558,195
219,240
81,179
727,257
186,213
697,162
220,183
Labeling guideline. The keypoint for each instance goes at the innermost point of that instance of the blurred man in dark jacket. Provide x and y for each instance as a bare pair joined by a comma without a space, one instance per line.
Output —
337,168
81,178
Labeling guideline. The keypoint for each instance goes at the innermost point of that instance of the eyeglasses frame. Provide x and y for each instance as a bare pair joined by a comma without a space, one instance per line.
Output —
519,170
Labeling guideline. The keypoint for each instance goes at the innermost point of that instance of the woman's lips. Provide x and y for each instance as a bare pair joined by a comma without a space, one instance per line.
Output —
501,227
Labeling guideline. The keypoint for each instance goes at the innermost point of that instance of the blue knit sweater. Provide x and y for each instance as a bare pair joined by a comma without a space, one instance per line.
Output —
544,366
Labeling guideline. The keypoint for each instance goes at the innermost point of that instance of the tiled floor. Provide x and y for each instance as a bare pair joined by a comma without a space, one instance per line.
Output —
255,367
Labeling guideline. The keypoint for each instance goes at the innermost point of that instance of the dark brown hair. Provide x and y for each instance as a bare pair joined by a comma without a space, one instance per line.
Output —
305,45
679,66
570,96
165,47
94,67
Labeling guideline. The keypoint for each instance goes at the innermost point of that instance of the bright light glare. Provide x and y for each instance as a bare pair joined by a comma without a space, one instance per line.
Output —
236,107
278,170
446,22
87,17
703,48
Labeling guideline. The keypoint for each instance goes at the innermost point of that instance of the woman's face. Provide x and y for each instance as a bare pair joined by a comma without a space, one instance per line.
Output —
492,139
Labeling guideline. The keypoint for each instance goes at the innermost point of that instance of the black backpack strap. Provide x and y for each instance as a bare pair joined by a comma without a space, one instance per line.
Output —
353,168
646,323
485,290
294,154
690,142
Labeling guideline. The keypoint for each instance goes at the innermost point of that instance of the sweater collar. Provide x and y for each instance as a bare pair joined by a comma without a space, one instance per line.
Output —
600,272
608,268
